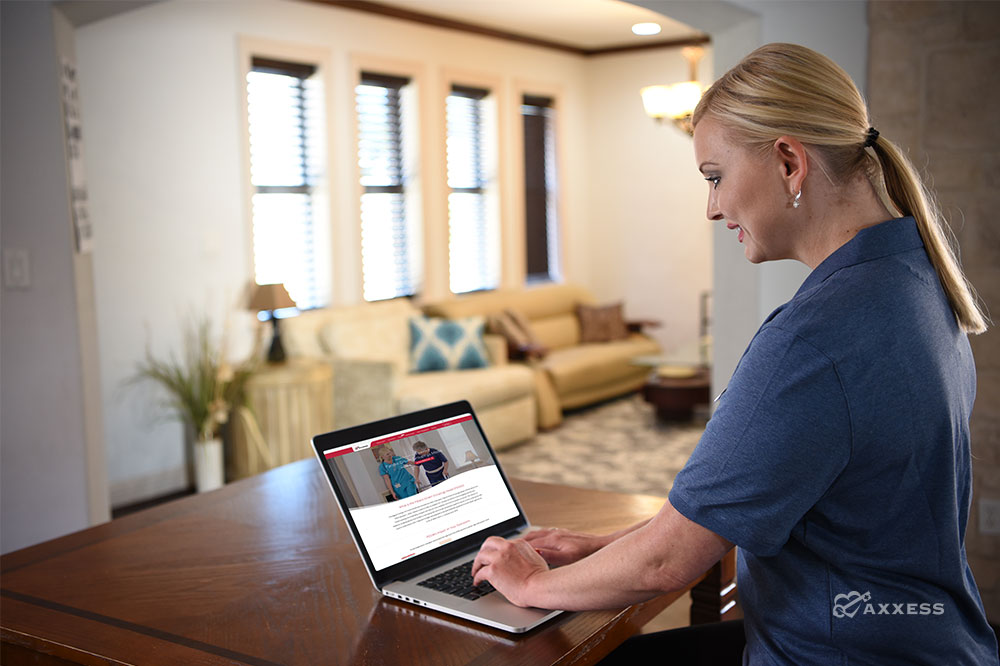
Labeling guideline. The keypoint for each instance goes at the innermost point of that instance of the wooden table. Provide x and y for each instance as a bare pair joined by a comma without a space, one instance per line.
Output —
676,397
262,572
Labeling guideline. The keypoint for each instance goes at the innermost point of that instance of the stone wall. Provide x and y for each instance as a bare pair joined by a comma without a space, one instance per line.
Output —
934,87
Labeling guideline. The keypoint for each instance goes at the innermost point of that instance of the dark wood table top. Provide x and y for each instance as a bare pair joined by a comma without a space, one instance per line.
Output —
263,571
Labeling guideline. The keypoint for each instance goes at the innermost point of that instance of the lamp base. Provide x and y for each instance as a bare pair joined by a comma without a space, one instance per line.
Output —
276,354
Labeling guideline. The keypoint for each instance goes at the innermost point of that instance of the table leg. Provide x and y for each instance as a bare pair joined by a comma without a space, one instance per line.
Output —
713,599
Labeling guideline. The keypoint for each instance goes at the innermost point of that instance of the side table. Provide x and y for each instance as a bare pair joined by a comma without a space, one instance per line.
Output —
291,402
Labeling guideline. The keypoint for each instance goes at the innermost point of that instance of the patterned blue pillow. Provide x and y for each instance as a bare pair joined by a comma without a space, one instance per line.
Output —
447,344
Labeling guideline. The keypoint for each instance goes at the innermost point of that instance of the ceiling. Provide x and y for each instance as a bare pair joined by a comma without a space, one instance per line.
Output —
584,24
580,25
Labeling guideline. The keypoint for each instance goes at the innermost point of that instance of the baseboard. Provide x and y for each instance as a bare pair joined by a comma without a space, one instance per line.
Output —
150,503
142,488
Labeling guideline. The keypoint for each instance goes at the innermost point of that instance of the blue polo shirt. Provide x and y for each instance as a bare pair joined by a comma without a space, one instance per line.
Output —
838,462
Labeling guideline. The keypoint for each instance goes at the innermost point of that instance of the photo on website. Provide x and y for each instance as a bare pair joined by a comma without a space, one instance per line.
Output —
412,462
415,490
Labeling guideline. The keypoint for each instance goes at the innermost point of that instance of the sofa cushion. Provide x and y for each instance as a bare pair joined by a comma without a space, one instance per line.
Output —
557,331
483,387
370,331
300,334
591,364
534,302
447,344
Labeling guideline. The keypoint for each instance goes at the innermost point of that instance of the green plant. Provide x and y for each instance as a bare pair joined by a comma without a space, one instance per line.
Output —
202,386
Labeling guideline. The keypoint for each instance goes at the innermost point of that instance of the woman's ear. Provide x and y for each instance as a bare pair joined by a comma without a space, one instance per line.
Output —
794,162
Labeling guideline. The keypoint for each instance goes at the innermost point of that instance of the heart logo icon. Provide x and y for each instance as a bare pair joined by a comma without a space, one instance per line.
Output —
846,605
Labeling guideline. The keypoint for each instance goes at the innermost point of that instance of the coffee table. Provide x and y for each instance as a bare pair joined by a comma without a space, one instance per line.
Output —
263,572
675,395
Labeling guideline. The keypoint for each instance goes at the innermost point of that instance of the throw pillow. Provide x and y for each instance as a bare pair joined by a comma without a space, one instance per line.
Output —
447,344
601,323
522,324
514,327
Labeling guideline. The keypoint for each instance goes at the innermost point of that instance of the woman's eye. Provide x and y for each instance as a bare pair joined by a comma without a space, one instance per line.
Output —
714,180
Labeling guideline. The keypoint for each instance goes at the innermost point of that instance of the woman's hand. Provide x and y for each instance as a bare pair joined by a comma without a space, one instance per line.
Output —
559,547
508,566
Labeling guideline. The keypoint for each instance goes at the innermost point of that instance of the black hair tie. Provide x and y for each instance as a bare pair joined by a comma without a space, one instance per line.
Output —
871,138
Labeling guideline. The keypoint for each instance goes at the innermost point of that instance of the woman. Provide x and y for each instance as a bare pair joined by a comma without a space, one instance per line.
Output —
838,457
398,479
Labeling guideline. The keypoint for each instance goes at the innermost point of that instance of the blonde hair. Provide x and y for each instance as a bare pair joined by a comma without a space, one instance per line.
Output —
786,89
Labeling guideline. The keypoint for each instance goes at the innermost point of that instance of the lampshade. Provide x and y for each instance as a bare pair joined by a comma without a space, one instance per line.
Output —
675,101
270,297
678,101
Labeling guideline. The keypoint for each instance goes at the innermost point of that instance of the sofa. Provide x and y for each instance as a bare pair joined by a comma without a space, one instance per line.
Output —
369,347
571,373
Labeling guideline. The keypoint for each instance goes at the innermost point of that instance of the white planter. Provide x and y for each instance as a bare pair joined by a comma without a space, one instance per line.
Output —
208,465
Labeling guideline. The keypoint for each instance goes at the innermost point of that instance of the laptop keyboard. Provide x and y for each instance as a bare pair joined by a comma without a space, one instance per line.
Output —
458,581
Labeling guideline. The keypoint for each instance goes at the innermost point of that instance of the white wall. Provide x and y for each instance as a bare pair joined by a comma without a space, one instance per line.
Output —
650,241
46,346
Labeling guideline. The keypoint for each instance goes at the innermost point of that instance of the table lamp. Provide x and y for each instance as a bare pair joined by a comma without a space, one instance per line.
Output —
271,297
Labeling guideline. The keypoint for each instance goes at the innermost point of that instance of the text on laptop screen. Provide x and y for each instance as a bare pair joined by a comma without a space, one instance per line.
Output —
414,490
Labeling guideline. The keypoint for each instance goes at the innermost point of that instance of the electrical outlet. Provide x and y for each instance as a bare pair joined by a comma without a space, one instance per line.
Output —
989,516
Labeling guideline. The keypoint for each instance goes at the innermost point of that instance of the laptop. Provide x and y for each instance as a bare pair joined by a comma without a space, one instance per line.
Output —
420,492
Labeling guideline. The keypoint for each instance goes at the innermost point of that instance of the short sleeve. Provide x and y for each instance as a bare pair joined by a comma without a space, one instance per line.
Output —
780,436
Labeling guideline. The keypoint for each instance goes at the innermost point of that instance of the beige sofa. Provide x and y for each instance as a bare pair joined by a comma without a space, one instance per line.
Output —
572,373
368,345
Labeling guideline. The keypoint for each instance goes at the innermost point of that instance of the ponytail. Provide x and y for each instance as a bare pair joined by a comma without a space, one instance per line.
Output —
908,194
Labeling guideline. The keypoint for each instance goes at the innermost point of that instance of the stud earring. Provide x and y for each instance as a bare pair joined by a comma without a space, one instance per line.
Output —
795,201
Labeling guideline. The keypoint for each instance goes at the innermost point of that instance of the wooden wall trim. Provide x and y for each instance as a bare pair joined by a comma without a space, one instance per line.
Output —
452,24
666,44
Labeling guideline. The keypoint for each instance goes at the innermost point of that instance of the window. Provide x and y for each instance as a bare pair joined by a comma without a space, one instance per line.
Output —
540,189
474,231
285,112
390,230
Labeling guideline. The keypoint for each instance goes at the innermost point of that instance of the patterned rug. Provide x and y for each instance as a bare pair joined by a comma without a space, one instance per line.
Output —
618,446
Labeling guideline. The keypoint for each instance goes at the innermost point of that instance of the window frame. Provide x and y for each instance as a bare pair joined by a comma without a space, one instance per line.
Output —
498,191
550,191
251,48
353,277
409,178
533,88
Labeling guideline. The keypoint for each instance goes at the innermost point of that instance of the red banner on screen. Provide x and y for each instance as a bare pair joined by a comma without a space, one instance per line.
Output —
401,435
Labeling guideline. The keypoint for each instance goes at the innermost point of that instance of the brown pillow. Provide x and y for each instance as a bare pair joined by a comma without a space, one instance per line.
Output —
601,323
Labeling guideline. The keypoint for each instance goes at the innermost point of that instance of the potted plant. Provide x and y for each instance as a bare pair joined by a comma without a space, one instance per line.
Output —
202,389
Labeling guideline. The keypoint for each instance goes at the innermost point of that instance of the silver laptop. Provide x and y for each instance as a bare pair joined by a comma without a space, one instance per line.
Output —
420,492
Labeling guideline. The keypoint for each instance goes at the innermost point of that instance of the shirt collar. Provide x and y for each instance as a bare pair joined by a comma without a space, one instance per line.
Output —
882,240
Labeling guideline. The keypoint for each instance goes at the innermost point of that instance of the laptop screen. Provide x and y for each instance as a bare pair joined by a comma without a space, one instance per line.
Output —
418,488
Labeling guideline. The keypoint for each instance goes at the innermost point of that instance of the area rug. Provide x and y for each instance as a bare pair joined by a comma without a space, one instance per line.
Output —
618,446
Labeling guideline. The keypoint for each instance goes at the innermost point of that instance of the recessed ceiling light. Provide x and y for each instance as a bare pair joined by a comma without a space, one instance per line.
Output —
646,28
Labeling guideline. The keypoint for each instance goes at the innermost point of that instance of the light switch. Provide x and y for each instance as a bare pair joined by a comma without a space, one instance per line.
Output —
16,268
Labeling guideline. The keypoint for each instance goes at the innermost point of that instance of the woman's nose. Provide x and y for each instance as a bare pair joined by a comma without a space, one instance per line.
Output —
713,212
